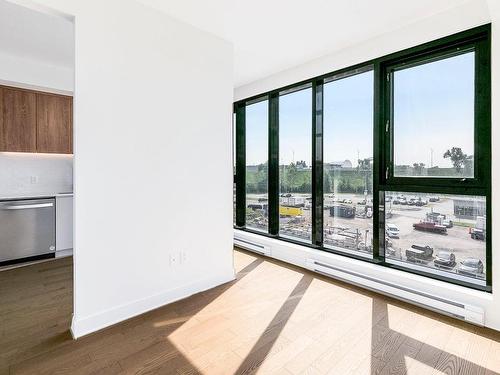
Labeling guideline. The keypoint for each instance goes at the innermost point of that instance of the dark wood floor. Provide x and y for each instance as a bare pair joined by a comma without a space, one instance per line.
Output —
274,319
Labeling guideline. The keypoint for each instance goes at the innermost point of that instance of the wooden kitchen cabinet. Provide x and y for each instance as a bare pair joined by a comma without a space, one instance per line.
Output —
18,131
54,124
32,121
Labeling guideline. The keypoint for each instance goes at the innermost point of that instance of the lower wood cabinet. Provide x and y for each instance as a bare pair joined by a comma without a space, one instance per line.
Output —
32,121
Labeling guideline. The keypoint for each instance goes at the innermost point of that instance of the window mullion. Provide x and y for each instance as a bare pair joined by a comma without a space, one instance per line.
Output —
273,168
240,166
317,163
379,155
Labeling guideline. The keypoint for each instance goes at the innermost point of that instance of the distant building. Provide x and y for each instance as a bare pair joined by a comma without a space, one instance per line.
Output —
346,164
252,168
468,208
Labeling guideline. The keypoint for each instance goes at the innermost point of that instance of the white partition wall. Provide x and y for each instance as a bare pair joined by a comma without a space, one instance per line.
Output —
152,141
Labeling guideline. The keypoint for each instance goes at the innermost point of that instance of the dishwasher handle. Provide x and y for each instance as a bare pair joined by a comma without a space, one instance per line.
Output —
27,206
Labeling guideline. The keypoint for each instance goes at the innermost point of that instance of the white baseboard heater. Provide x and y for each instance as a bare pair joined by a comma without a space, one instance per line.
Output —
252,246
471,314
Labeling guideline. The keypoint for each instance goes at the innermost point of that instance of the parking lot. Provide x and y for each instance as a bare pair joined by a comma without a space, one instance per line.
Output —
356,234
457,240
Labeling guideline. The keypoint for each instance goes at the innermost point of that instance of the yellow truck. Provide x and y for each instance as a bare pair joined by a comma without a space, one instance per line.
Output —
291,211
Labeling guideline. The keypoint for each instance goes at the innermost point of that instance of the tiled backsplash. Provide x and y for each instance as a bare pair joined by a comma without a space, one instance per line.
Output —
22,173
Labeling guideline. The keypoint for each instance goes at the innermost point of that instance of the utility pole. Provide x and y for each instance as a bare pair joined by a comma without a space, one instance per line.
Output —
432,157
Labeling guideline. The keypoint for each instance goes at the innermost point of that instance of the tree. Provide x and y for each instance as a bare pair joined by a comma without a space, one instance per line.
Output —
301,164
291,176
458,158
364,164
418,168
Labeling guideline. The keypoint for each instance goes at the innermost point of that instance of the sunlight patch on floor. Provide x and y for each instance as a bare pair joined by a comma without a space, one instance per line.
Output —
416,367
221,327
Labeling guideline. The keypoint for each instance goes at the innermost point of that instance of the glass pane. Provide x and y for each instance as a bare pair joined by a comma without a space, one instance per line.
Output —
256,165
295,173
348,164
434,119
442,234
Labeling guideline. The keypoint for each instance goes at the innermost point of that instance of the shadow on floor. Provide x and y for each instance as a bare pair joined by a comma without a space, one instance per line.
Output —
386,341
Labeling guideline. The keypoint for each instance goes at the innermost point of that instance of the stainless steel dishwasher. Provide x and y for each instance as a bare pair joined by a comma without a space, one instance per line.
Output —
27,229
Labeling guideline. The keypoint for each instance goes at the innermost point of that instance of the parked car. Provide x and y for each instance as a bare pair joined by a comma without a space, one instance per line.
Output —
426,226
471,267
434,199
400,200
477,234
392,230
445,259
420,202
419,253
448,223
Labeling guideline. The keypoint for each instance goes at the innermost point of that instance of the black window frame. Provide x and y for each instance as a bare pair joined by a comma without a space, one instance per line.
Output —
479,39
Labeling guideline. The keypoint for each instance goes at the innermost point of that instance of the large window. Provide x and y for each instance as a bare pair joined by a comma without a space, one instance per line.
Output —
434,118
388,162
257,165
295,173
437,163
348,163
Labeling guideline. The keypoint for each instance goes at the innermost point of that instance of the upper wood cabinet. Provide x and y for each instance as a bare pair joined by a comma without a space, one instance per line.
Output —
54,130
32,121
17,120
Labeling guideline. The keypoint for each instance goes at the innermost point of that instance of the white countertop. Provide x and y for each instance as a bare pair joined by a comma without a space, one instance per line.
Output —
34,195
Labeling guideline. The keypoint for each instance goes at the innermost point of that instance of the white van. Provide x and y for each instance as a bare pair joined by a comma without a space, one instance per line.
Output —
391,230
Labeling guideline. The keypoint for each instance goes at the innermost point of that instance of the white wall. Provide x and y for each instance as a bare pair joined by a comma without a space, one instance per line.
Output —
32,74
469,15
52,174
153,108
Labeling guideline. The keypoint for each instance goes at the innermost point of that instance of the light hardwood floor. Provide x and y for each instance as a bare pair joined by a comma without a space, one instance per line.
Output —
274,319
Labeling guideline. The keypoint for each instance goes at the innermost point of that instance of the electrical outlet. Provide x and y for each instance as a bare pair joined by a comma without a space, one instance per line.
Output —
173,260
34,179
182,257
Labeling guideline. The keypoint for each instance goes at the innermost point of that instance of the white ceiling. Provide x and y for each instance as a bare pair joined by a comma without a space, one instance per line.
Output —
273,35
34,35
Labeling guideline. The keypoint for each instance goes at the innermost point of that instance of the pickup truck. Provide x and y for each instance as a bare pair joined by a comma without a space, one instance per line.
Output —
418,253
426,226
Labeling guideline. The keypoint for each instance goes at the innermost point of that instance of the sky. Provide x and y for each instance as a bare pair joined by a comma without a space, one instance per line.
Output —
433,110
